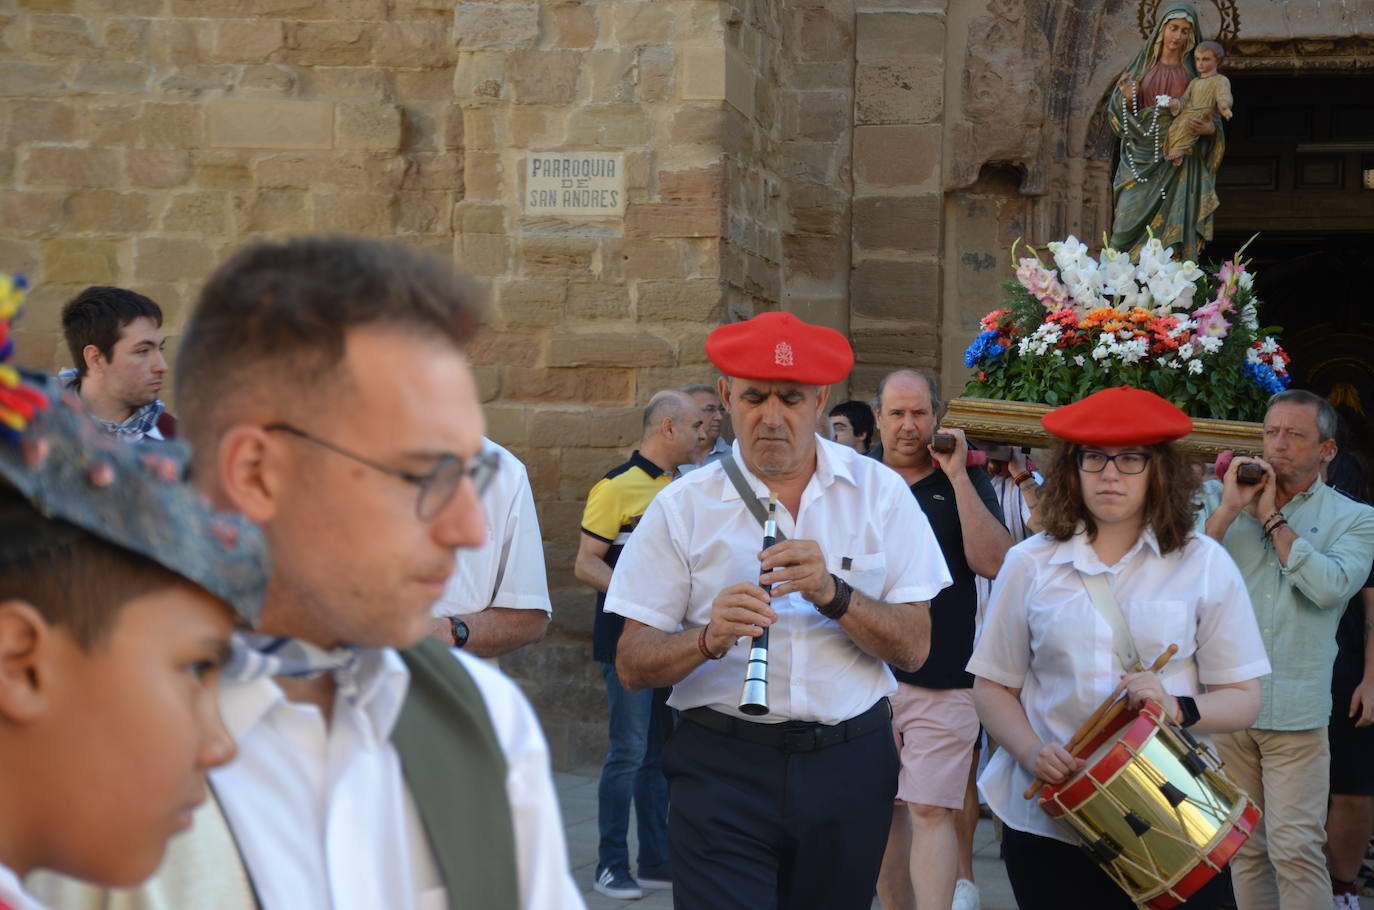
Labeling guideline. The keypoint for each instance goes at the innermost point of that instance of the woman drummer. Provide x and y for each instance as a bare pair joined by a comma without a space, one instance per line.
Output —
1117,502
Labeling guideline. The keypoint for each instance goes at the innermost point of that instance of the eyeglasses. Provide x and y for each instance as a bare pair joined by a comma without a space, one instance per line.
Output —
1126,462
437,488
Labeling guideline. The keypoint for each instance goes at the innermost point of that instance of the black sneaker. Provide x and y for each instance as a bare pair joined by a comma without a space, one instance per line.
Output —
618,885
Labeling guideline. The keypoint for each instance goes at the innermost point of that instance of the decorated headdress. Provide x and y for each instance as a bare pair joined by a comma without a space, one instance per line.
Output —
1122,416
780,347
61,477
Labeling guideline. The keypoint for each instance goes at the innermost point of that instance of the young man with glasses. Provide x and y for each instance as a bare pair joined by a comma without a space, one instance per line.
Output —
327,395
1117,507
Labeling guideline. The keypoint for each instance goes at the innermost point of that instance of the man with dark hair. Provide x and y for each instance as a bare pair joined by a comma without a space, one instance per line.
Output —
1304,549
116,342
328,396
933,716
639,722
851,424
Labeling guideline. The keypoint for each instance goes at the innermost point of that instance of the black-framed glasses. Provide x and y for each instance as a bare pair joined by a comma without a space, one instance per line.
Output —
437,488
1126,462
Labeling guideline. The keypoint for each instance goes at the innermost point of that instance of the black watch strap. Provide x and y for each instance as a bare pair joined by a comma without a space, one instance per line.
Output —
459,630
1187,708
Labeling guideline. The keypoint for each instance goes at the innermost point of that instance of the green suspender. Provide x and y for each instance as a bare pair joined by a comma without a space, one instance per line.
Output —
457,775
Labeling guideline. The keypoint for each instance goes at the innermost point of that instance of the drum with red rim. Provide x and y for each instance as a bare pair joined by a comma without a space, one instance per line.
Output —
1154,808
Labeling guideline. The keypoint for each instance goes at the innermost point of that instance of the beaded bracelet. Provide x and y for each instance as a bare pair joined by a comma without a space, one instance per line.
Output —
1022,478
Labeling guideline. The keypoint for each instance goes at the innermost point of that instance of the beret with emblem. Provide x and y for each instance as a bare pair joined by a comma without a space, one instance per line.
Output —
1122,416
780,347
62,477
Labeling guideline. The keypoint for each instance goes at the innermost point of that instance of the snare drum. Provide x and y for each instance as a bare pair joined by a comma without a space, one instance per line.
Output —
1153,807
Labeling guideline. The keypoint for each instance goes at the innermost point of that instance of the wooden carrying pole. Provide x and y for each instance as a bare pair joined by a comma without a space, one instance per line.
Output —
1106,712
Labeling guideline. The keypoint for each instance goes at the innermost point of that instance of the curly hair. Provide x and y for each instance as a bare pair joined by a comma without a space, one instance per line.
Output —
1169,497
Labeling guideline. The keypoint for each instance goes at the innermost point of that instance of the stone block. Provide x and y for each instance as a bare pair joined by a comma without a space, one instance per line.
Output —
355,213
273,211
701,73
106,212
654,259
693,186
330,43
900,36
80,260
270,124
127,38
897,290
248,40
584,428
740,84
817,208
536,128
475,218
30,213
824,260
506,24
196,213
568,256
591,300
640,22
571,25
367,126
321,9
482,176
566,385
427,85
272,80
112,124
414,44
362,84
488,380
111,77
698,124
507,424
23,78
907,223
689,340
822,36
544,77
69,166
649,220
487,255
169,126
222,169
656,67
689,300
157,169
182,41
479,76
64,37
504,348
898,93
611,74
38,120
608,349
897,156
820,115
610,126
169,259
532,302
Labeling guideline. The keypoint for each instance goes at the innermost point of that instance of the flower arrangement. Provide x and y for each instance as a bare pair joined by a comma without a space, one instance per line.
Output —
1155,323
18,403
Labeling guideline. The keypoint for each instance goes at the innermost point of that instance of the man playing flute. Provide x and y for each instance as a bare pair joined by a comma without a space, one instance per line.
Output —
790,808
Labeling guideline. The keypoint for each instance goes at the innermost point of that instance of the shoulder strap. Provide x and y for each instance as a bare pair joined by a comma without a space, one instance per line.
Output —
746,492
1100,593
456,770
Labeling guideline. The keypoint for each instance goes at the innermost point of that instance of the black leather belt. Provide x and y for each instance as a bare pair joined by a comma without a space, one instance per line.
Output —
794,735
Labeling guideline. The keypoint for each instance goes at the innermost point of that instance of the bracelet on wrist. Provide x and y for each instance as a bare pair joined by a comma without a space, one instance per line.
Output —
839,604
1022,478
701,645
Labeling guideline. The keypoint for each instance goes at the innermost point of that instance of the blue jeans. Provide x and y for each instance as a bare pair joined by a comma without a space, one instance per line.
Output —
639,726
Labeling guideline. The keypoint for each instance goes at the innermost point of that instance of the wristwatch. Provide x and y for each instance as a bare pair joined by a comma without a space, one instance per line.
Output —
1187,709
460,631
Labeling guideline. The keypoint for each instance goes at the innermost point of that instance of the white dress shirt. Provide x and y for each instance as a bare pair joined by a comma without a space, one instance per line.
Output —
697,538
322,813
13,894
1043,635
508,569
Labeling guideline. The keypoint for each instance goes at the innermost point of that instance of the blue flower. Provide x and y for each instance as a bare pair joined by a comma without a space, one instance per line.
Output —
1263,375
984,346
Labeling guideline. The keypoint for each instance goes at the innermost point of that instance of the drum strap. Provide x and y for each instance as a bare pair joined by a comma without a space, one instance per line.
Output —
1100,593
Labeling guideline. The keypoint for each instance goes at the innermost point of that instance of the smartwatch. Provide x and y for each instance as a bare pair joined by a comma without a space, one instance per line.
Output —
460,631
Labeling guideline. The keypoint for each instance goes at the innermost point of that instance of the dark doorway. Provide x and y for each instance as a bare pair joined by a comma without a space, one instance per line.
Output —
1299,171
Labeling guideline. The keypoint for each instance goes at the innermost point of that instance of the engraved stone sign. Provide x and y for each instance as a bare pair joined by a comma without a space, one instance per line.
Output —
575,184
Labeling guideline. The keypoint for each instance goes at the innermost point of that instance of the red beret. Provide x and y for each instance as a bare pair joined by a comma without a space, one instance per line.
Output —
780,347
1118,417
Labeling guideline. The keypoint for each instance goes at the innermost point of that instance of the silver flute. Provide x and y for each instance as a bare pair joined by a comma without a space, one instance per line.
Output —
754,700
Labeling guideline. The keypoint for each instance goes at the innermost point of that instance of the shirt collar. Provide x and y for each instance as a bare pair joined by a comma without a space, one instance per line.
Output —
831,464
382,680
645,465
1078,551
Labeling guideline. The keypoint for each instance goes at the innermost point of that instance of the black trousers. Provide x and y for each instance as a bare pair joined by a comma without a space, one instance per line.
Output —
753,828
1048,874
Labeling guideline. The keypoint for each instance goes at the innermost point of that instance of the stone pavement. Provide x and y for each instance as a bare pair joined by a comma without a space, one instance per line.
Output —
577,796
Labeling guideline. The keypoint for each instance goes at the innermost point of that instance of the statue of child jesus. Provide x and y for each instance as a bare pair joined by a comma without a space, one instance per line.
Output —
1208,94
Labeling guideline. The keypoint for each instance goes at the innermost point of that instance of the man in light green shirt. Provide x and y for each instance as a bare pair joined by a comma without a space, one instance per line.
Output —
1304,550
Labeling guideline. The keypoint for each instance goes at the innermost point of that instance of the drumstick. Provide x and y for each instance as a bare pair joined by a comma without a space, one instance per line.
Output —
1104,715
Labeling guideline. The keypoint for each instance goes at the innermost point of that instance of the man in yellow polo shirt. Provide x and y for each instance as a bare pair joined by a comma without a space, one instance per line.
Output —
639,721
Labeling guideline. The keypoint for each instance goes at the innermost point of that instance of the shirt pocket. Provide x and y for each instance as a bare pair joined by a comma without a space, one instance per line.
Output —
1156,624
865,573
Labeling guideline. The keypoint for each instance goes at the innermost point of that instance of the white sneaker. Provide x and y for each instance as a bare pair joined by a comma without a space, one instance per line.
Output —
966,896
1346,901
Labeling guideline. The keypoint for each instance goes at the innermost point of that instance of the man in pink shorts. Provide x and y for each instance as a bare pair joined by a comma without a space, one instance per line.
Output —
933,717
